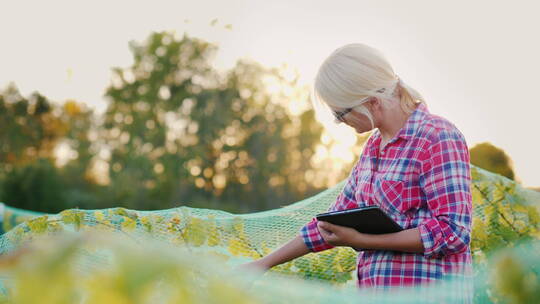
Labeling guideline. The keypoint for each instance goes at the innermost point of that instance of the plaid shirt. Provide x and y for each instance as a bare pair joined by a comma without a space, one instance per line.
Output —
421,178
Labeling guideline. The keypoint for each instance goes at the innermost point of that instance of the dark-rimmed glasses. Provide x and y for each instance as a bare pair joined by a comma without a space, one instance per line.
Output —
339,115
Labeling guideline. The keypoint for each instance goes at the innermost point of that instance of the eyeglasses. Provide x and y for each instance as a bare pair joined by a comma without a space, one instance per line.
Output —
339,115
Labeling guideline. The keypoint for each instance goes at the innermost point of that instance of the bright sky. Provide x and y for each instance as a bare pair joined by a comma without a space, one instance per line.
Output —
475,62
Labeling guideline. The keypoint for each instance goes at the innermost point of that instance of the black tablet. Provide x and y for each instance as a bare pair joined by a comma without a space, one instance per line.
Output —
370,220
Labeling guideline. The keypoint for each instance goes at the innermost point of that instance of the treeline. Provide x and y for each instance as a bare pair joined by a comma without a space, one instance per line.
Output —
175,132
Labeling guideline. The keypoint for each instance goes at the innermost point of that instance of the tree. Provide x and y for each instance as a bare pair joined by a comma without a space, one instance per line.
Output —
30,128
176,131
36,186
491,158
179,131
83,187
33,130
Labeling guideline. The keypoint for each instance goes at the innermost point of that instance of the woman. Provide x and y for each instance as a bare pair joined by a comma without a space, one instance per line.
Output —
415,167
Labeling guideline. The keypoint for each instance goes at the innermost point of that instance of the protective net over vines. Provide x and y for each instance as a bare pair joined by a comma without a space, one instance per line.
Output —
188,255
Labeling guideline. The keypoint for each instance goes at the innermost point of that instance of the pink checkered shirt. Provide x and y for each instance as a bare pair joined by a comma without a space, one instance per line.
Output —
421,179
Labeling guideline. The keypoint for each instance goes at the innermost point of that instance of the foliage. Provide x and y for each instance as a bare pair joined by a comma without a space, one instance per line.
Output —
491,158
516,277
30,128
176,131
34,186
502,218
502,215
35,128
174,123
505,216
45,273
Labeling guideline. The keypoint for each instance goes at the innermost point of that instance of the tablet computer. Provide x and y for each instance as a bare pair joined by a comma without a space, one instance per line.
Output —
370,220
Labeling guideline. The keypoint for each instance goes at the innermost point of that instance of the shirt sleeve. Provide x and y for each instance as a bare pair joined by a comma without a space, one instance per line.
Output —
445,180
345,200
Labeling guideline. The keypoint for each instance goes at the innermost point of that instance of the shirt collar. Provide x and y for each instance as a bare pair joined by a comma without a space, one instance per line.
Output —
411,127
414,121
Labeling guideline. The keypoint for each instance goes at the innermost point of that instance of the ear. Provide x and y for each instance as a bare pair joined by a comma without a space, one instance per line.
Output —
374,103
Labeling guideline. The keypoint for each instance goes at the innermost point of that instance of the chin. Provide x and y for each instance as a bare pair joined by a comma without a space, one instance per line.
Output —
361,131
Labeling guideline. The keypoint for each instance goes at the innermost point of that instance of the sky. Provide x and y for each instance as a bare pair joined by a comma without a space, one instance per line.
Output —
475,62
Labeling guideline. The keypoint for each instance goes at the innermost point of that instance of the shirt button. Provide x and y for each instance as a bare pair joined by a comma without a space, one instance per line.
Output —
382,153
452,238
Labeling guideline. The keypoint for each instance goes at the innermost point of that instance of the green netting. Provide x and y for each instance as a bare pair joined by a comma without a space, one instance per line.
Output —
11,217
198,247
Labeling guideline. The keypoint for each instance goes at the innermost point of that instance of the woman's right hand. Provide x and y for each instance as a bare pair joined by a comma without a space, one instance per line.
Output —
255,266
291,250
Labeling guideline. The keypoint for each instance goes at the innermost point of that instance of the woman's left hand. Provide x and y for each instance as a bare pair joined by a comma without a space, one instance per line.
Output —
338,235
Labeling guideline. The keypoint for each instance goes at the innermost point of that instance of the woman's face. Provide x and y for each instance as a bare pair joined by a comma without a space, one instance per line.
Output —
356,120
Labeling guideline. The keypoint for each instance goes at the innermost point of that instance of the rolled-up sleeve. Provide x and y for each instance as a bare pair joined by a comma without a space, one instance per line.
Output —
445,180
313,238
310,232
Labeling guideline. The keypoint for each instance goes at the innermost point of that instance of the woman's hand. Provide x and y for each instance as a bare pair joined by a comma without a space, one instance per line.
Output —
339,235
407,240
291,250
257,266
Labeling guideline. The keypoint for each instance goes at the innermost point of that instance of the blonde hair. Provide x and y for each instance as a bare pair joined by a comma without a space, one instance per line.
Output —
354,72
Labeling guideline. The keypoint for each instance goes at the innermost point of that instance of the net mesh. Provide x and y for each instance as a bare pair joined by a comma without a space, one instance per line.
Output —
143,255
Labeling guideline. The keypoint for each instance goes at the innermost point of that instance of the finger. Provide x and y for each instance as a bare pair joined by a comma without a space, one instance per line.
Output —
325,234
327,226
329,238
324,231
